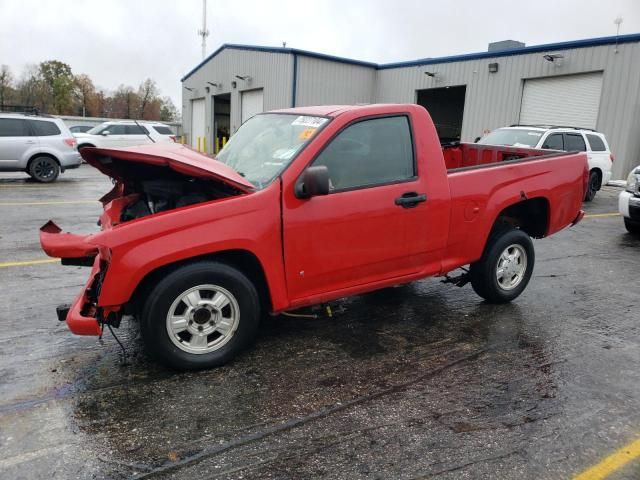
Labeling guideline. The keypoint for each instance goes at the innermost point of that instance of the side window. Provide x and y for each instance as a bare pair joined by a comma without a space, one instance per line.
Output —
554,142
575,142
163,130
370,152
116,129
596,143
134,130
42,128
14,127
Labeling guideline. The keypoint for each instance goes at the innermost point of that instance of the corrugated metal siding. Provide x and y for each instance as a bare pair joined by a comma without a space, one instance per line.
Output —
322,82
271,71
493,99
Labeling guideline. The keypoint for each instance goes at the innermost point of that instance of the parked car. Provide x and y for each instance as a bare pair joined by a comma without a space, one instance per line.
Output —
125,133
80,128
41,146
629,202
561,138
303,206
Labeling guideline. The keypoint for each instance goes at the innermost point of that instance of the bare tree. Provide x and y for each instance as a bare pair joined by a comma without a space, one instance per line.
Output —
6,84
86,94
147,93
30,90
125,102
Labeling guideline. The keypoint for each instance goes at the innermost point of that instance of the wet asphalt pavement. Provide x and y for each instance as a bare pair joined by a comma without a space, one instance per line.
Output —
419,381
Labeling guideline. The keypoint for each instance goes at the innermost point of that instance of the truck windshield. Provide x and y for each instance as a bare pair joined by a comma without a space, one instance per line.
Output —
265,144
517,137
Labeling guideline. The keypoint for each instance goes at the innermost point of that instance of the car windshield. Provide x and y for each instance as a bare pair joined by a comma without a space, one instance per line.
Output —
265,145
98,129
517,137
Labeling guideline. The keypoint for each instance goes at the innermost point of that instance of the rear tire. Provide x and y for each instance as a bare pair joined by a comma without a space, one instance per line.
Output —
632,226
505,268
44,169
200,316
593,186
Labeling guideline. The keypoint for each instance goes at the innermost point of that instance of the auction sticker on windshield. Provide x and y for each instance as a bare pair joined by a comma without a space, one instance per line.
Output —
307,133
312,122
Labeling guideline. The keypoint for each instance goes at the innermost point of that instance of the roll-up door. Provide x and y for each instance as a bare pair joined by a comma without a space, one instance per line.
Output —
197,121
570,100
252,103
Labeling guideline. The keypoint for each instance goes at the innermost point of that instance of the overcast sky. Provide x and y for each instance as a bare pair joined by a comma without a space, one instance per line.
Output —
126,41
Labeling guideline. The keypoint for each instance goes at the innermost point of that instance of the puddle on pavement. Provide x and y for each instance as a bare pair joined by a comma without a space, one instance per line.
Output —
146,414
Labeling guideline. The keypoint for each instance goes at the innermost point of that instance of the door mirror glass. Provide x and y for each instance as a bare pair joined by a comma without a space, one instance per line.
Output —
314,181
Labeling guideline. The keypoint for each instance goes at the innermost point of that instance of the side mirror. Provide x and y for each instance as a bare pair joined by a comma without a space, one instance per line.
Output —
477,139
313,181
105,133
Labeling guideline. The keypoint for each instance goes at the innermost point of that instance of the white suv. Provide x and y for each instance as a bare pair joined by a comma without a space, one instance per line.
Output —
125,134
629,202
561,138
39,145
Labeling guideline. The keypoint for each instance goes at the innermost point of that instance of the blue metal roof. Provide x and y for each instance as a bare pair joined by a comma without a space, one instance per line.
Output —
590,42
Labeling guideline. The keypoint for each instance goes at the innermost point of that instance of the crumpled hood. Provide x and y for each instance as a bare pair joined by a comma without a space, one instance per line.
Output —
180,158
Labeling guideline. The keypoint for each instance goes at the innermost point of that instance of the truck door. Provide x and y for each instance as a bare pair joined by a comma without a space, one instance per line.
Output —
370,227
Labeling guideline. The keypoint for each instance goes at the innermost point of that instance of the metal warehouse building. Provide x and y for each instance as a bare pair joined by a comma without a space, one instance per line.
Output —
592,83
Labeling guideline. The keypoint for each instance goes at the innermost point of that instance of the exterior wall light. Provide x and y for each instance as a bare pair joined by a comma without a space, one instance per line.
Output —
555,58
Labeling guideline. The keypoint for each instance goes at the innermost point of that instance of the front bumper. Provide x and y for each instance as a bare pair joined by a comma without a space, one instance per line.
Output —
629,206
84,316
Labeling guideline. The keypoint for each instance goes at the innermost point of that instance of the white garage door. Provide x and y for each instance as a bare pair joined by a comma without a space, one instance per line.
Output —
570,100
197,121
252,103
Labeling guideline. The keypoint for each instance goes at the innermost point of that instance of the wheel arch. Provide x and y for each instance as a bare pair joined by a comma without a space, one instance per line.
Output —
598,170
530,215
43,154
244,261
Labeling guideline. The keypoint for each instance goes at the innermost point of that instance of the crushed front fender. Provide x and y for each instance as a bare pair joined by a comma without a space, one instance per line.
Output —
65,245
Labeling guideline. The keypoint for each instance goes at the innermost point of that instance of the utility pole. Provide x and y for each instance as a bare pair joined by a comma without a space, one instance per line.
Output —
617,23
204,33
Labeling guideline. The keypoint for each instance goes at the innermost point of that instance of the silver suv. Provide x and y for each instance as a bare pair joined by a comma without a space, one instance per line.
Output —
39,145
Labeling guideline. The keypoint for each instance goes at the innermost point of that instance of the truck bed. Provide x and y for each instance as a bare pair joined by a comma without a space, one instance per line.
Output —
470,155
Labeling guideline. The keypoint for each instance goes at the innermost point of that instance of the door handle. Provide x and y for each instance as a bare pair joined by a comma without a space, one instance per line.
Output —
30,142
410,199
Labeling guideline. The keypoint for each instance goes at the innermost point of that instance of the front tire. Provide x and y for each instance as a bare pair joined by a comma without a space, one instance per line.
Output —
505,268
44,169
200,316
632,226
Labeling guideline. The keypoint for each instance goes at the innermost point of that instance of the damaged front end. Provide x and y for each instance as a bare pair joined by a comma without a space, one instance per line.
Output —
83,316
149,181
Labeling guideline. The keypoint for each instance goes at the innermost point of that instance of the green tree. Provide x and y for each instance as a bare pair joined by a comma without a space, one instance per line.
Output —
58,79
168,111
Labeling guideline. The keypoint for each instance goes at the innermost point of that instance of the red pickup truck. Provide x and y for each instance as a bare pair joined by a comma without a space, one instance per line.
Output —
301,207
